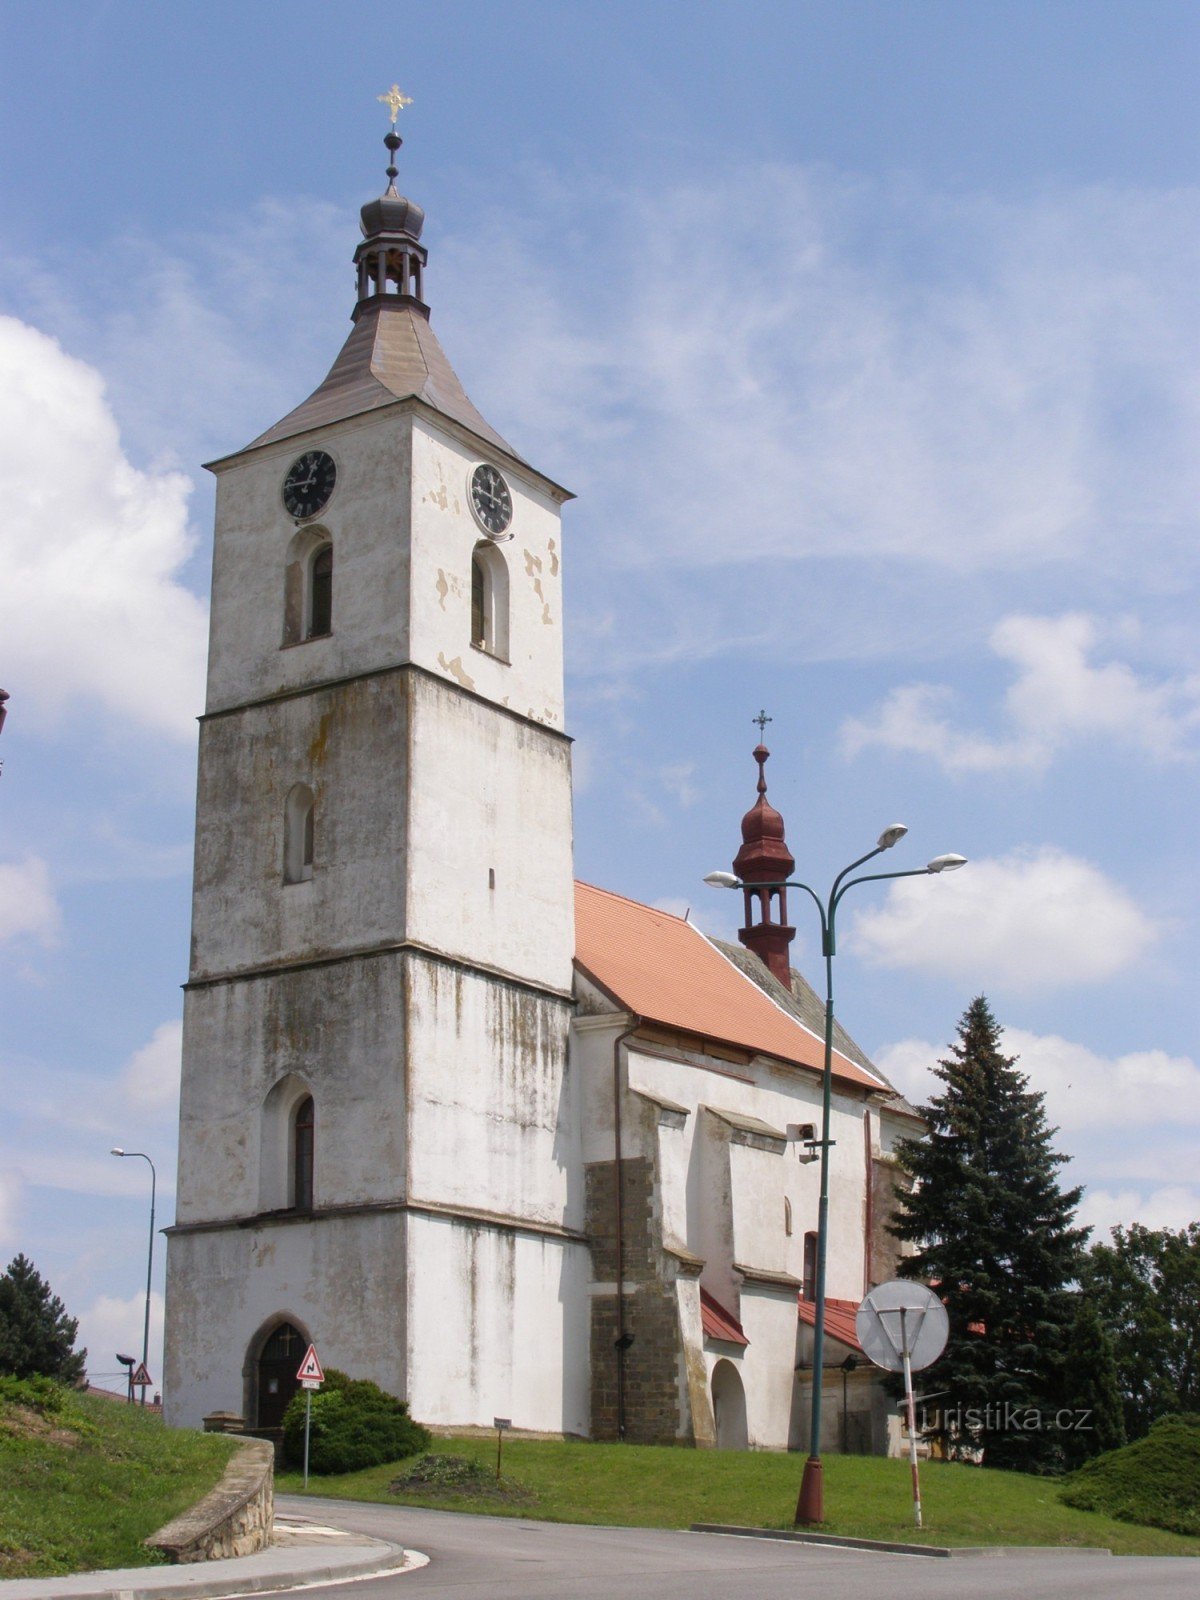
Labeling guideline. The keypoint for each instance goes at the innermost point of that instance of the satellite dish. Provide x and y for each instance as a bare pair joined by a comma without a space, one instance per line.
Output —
901,1318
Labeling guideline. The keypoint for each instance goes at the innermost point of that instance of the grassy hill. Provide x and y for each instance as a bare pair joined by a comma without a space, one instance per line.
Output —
1155,1480
645,1486
83,1480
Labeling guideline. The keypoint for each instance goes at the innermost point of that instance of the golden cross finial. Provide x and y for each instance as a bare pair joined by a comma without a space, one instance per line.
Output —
395,101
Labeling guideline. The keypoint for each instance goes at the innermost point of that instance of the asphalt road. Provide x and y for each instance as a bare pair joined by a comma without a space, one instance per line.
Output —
498,1558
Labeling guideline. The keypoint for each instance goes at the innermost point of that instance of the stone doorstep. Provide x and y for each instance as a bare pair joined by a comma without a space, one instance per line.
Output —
889,1547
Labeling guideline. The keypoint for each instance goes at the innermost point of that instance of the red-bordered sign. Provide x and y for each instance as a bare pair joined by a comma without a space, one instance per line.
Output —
310,1367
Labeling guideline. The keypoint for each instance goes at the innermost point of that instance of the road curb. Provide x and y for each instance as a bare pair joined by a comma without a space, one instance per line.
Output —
890,1547
212,1585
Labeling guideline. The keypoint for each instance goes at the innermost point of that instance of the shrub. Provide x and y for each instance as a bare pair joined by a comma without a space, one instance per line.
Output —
1154,1481
355,1424
42,1395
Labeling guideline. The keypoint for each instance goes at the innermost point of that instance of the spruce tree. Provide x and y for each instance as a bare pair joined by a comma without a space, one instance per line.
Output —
992,1230
1092,1414
37,1337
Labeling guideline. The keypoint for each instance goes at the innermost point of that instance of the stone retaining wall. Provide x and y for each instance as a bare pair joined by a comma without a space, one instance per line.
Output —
236,1519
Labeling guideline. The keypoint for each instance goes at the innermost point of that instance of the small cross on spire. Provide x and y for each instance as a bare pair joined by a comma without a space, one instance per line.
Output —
762,719
395,101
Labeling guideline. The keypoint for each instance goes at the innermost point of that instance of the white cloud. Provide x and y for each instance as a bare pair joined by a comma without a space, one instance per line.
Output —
10,1199
1059,696
1174,1206
111,1324
28,908
91,608
1037,919
150,1078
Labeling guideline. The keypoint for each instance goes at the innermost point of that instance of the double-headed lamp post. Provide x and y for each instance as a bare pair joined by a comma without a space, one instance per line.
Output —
810,1507
117,1151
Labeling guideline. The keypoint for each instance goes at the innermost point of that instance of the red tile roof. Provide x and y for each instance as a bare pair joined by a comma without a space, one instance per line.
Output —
718,1323
839,1320
663,969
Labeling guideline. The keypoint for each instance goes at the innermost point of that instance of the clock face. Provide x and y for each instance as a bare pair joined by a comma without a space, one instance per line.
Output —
309,484
490,500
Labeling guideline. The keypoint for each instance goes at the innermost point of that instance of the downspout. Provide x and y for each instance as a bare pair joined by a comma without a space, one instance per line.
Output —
623,1340
869,1207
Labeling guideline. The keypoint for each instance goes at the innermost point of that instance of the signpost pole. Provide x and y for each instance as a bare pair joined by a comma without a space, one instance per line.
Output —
912,1417
307,1423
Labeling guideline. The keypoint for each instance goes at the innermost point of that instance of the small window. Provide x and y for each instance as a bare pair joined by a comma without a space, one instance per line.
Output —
298,835
320,593
303,1130
489,600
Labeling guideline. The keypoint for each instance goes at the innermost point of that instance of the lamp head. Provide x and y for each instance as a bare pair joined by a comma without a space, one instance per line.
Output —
116,1151
950,863
722,880
891,836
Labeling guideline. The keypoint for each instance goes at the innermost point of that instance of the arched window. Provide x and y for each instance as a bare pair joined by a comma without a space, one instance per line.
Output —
298,835
320,593
489,600
303,1149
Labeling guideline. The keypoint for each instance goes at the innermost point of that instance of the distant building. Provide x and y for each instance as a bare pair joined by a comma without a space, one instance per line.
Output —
506,1144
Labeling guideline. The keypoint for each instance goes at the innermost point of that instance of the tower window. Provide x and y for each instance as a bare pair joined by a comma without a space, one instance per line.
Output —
298,835
810,1266
320,593
489,600
303,1131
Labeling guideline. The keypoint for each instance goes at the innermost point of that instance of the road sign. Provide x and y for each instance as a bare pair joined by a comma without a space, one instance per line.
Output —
140,1379
903,1326
310,1373
898,1318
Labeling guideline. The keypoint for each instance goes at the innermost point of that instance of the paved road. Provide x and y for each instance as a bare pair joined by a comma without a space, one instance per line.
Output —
496,1558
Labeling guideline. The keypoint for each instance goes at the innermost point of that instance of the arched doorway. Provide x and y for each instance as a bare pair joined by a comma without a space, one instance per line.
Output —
275,1373
729,1407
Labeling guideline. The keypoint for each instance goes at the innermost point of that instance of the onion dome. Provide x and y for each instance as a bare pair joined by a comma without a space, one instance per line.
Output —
764,855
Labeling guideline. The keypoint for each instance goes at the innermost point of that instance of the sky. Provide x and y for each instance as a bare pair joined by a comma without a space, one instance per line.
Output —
868,337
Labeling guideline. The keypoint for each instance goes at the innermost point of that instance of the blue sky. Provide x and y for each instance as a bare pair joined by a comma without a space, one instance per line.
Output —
867,335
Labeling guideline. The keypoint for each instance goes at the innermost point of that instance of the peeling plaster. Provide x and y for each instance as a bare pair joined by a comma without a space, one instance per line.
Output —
455,668
553,549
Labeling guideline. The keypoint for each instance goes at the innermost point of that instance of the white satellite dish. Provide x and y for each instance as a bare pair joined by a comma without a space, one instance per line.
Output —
902,1317
903,1326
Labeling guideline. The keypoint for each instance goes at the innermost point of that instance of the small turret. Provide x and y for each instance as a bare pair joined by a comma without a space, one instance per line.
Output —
765,859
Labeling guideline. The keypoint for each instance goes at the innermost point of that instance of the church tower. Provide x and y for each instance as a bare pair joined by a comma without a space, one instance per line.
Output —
377,1125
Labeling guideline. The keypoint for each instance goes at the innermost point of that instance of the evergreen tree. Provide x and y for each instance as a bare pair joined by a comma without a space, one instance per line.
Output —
37,1337
992,1230
1091,1394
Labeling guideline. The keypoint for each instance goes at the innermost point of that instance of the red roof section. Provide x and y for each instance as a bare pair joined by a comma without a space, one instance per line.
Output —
718,1323
663,969
839,1319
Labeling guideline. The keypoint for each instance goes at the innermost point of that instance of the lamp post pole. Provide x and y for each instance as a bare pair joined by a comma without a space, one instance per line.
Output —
810,1507
117,1151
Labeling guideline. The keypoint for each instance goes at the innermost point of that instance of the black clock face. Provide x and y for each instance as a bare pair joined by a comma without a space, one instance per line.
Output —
309,484
491,499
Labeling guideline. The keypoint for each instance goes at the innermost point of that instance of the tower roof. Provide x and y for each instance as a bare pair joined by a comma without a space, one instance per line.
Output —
392,352
764,856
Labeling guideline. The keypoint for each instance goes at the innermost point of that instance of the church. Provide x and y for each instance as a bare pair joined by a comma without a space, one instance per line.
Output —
505,1143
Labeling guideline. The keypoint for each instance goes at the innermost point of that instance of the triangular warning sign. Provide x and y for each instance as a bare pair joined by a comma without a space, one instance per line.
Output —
141,1379
310,1367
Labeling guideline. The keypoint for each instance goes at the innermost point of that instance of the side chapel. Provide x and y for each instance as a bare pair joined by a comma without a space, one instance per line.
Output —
503,1142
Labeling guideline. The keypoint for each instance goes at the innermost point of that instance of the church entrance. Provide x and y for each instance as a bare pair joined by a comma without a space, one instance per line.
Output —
278,1363
729,1407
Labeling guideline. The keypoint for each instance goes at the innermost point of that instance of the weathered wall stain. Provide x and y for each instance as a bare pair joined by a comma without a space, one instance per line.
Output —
456,670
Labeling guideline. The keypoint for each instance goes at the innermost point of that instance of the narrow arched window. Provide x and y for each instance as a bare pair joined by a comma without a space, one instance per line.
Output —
298,835
303,1149
320,593
489,600
810,1266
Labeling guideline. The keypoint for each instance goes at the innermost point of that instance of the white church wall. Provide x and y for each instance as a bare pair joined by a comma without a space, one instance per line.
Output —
445,532
490,843
768,1317
341,1029
367,521
340,1280
498,1326
492,1106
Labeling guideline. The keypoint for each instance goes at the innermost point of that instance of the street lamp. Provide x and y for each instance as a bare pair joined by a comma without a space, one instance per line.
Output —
117,1151
810,1507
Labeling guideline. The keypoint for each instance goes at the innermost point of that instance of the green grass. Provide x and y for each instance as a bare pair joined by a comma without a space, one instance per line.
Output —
81,1487
868,1498
1155,1480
